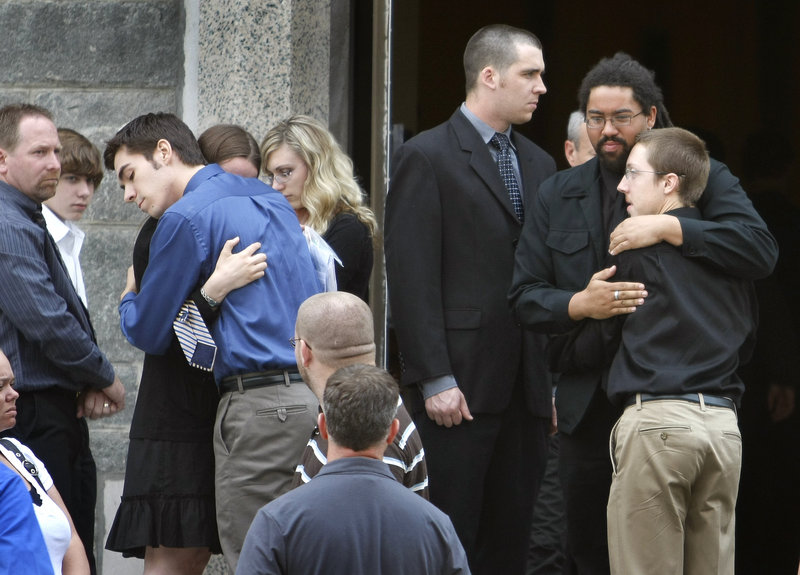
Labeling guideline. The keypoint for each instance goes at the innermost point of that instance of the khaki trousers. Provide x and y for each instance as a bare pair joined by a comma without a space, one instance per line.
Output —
259,437
676,467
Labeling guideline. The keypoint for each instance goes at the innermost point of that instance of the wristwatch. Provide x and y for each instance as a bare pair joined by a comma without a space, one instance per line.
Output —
209,300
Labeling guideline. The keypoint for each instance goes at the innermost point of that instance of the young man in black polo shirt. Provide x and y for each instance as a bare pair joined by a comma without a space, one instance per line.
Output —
676,450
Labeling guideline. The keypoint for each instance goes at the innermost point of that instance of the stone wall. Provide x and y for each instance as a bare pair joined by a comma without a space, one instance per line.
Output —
96,64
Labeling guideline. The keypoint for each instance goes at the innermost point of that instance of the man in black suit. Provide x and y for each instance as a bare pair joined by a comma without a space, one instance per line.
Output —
482,396
562,277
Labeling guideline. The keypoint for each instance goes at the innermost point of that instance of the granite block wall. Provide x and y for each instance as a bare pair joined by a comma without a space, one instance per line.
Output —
96,64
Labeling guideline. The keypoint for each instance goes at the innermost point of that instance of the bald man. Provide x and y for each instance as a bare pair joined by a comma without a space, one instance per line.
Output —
334,330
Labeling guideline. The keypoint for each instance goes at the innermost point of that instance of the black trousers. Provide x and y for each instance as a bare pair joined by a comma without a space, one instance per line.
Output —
585,472
548,528
485,475
47,424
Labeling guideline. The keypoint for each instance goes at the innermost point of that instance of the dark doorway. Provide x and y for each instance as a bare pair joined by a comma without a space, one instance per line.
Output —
730,71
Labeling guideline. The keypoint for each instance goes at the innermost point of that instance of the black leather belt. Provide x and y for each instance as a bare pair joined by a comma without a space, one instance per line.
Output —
713,400
262,379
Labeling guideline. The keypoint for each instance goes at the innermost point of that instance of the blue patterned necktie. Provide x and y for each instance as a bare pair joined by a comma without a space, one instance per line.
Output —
194,338
506,166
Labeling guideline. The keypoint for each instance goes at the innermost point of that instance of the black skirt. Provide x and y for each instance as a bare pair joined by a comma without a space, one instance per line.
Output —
161,507
168,495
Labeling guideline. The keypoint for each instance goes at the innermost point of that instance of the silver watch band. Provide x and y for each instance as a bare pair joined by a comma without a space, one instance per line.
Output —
211,301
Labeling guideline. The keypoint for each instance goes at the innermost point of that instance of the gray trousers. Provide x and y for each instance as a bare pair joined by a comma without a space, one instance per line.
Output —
259,436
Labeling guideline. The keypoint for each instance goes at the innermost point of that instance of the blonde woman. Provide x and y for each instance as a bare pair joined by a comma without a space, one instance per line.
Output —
303,161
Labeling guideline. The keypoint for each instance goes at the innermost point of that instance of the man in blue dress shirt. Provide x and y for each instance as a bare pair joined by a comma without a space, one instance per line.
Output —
266,412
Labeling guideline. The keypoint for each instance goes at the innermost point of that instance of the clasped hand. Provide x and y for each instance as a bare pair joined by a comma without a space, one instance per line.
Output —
602,299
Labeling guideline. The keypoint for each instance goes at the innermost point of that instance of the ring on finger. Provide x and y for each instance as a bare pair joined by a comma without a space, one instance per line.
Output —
106,404
616,295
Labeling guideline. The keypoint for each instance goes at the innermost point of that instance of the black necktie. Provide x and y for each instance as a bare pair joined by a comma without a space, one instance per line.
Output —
505,163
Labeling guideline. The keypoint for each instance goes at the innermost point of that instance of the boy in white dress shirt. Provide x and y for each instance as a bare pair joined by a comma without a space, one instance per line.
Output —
81,173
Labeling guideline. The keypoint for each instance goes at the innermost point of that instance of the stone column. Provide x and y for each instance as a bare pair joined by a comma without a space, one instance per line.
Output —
258,62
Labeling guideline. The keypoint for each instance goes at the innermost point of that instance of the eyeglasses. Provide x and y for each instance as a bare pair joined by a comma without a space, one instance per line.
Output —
599,122
631,173
281,177
294,340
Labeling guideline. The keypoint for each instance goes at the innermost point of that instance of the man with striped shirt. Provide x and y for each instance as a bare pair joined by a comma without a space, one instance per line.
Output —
334,330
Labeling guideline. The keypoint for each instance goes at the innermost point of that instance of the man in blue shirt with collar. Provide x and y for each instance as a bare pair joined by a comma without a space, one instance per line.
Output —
266,412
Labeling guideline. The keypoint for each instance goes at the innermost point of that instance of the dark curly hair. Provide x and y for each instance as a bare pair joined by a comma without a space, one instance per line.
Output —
623,71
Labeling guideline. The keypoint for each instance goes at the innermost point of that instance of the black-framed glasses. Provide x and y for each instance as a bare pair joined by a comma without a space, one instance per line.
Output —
294,340
631,173
599,122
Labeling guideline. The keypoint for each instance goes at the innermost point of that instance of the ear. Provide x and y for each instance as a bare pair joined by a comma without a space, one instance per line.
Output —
651,117
393,430
489,77
306,354
163,152
569,151
3,161
323,426
671,183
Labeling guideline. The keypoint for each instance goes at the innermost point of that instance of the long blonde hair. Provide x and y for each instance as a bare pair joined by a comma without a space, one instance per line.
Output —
330,188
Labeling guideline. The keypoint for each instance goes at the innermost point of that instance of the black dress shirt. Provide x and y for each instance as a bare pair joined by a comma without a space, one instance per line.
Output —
695,327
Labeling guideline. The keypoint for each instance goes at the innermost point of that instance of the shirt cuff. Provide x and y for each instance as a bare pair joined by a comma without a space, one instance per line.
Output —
693,240
431,387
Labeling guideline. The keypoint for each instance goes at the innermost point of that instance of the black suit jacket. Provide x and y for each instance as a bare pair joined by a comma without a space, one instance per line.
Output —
450,238
563,244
